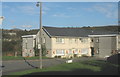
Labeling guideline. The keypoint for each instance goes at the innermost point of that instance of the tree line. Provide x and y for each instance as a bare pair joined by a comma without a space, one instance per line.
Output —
13,43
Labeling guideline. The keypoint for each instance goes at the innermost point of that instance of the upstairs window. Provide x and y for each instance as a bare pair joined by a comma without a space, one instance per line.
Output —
60,40
97,40
76,40
91,40
44,40
84,40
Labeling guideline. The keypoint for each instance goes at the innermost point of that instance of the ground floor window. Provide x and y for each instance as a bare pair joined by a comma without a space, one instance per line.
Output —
70,51
84,51
60,52
76,51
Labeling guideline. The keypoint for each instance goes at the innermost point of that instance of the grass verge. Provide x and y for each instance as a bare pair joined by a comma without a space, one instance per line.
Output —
5,58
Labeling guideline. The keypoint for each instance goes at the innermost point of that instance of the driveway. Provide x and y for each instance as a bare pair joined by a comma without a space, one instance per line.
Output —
20,65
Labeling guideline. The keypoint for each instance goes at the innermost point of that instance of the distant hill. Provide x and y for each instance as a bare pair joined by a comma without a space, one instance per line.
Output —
112,28
16,29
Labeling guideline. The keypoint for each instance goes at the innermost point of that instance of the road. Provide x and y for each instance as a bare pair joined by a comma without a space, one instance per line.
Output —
20,65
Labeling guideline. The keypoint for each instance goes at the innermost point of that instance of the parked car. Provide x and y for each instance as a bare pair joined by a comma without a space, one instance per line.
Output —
114,59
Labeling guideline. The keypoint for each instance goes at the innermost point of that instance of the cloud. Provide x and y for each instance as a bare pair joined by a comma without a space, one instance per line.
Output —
61,15
108,9
28,9
70,8
26,26
32,10
14,26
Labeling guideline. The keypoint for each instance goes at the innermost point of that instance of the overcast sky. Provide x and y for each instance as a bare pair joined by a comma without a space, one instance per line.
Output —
25,15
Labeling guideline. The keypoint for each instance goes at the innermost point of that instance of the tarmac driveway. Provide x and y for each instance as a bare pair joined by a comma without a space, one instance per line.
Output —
20,65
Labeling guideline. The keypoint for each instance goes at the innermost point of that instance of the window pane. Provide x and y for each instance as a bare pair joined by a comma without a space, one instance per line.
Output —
70,51
60,52
59,40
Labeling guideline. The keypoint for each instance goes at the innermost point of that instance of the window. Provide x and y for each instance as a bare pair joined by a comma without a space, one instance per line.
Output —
26,45
91,40
76,51
84,51
84,40
76,40
60,40
44,40
73,40
70,51
60,52
97,40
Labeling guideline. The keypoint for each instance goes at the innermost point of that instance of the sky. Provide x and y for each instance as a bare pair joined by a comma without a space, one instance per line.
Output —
25,15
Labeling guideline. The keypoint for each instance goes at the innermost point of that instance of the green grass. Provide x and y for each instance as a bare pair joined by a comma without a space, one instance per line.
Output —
21,58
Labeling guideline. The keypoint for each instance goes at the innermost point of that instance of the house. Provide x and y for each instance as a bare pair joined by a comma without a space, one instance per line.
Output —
76,42
28,44
65,42
11,33
105,44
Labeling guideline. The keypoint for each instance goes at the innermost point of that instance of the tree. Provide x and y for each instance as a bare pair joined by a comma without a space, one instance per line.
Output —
43,50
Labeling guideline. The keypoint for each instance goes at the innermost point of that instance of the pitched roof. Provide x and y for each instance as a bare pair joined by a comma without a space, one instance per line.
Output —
76,32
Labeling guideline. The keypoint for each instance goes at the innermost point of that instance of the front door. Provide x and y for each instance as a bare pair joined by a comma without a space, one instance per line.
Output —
92,51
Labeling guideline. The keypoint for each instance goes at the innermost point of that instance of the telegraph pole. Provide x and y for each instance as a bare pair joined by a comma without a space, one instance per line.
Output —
39,4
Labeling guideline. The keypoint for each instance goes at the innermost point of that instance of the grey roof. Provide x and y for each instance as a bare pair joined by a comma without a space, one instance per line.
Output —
77,32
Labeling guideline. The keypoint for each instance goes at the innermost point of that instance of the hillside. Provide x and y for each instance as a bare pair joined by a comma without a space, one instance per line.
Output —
12,41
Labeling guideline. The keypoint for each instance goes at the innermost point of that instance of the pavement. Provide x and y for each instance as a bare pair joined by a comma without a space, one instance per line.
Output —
20,65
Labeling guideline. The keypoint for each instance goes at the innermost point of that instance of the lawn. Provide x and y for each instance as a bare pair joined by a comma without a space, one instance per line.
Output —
21,58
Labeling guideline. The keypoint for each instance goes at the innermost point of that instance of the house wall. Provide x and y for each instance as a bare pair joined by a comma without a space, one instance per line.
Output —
106,45
28,47
67,45
95,43
47,41
52,45
118,42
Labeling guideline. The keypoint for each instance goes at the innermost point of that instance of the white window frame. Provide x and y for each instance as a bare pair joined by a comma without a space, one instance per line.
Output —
60,40
84,40
97,41
76,51
84,50
70,51
60,52
44,40
76,40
